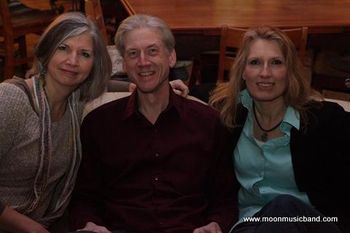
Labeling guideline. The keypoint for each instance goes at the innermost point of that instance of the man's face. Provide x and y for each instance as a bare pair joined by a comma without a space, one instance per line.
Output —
147,60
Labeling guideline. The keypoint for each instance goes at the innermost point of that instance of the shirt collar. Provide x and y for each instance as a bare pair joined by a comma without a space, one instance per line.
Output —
246,99
175,102
291,117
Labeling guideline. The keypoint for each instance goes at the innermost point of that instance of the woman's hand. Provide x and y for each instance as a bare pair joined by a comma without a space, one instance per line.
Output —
90,226
212,227
179,87
132,87
12,221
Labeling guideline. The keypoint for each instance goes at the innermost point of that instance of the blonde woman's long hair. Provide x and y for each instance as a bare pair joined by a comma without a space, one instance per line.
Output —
225,96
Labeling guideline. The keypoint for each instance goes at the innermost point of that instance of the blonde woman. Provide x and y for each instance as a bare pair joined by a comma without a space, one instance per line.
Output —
290,148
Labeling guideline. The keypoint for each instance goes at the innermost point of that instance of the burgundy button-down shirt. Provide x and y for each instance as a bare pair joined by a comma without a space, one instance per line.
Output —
171,176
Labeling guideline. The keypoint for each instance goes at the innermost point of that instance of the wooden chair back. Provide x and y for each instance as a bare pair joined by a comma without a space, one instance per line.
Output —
93,10
15,24
230,42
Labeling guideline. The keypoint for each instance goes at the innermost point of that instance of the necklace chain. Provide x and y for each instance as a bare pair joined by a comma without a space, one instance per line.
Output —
264,135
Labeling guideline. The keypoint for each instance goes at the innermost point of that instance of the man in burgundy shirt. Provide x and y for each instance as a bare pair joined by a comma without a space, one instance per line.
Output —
154,161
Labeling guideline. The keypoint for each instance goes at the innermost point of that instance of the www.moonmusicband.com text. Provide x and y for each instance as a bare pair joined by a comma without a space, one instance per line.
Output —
291,219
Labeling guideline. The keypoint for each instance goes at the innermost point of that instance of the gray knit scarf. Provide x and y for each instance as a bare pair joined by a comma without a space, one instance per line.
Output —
66,185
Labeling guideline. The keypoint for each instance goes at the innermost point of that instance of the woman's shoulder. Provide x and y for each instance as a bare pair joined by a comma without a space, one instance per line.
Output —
342,103
14,107
328,106
328,114
14,100
11,92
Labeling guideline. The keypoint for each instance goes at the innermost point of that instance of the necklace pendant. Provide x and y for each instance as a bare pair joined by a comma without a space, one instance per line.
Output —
264,137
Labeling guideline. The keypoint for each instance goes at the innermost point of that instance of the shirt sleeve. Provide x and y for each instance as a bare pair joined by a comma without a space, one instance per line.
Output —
85,205
223,187
13,113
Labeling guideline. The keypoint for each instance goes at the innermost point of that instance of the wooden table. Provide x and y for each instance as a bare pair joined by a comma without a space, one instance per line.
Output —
209,15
